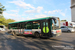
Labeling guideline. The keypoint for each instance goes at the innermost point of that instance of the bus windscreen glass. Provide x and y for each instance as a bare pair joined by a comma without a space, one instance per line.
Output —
55,25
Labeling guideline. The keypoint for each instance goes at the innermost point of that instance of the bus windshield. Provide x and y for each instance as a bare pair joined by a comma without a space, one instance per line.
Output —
55,25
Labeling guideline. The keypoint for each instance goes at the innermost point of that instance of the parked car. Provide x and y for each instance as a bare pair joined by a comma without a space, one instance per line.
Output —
2,28
67,29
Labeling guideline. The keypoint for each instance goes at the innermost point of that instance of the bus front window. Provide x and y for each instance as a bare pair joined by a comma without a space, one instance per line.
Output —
55,25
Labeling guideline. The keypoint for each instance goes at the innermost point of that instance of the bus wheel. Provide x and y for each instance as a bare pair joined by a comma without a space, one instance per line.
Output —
68,31
13,33
37,35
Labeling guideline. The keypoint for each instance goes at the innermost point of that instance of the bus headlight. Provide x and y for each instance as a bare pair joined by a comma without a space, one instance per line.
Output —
54,32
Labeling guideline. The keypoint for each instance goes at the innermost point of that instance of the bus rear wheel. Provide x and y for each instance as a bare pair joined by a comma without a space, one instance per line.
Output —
37,35
14,34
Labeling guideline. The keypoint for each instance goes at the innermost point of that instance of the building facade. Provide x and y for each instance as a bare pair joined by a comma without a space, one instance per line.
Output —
73,10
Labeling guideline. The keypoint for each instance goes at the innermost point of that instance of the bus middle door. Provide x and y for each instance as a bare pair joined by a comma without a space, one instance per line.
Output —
45,28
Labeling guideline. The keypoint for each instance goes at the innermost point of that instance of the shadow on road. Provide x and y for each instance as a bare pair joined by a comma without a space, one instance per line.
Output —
31,43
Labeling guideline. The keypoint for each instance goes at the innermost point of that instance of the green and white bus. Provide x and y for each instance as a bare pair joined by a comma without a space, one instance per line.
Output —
42,27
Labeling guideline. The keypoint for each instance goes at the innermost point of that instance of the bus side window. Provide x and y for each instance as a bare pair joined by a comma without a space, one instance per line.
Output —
9,27
36,26
28,26
19,26
22,25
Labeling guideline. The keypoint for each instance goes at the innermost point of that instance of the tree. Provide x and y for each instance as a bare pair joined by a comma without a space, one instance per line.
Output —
8,21
2,8
1,17
4,21
63,20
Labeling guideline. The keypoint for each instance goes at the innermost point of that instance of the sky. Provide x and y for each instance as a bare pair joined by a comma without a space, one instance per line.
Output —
20,10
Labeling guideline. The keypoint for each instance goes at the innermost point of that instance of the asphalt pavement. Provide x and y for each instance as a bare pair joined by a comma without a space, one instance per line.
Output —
64,42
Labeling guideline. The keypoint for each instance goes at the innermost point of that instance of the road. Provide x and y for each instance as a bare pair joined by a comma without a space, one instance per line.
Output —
64,42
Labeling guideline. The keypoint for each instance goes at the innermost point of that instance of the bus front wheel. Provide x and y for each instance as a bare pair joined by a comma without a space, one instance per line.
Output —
37,35
68,31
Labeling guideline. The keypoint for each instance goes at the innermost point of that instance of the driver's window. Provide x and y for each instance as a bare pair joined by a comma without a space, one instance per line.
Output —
53,24
65,27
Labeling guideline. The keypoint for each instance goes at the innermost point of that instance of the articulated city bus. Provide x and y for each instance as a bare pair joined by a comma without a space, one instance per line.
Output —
42,27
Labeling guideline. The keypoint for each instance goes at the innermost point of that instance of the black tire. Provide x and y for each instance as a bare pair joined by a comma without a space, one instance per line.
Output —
13,33
68,31
9,32
37,35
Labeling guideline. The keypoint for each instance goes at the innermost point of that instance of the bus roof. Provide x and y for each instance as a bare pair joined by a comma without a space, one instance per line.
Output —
30,20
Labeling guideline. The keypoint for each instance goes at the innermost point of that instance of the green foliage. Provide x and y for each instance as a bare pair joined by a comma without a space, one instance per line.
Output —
10,20
1,24
4,21
2,7
1,16
63,20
